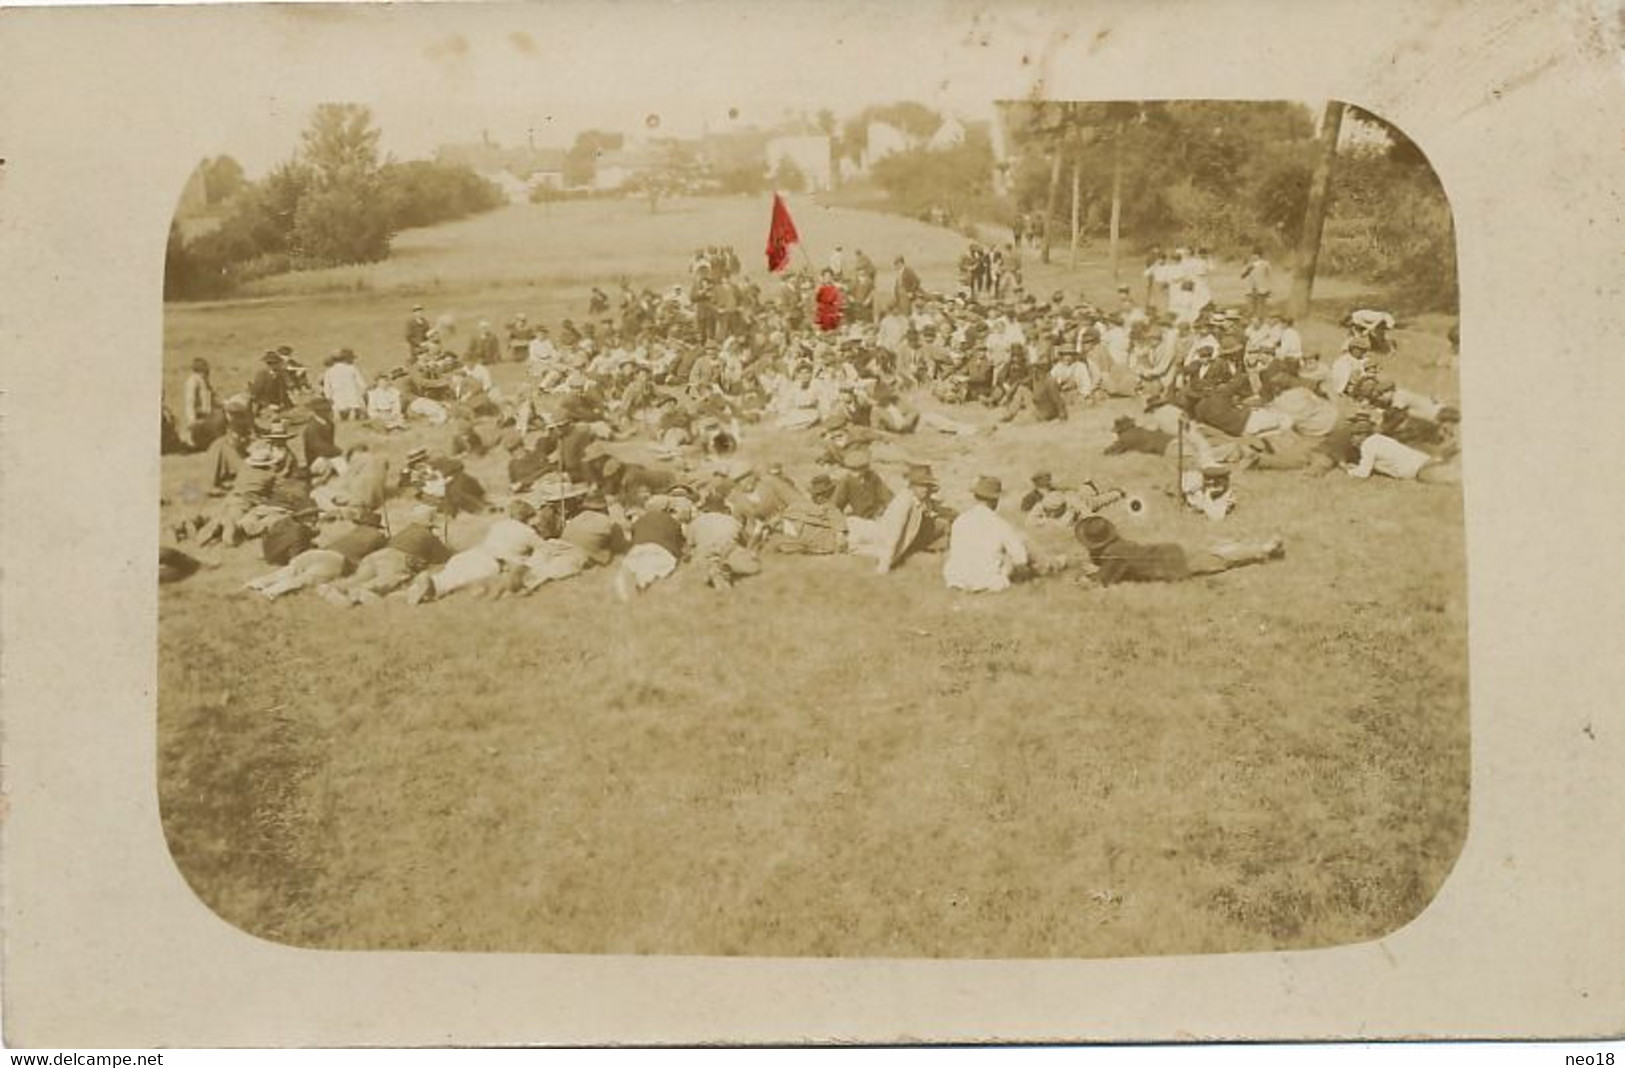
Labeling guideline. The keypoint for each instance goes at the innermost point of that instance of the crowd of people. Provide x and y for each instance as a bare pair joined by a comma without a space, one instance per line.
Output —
625,440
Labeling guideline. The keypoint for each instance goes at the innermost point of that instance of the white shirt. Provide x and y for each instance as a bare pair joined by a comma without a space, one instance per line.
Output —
510,541
343,385
1291,344
982,551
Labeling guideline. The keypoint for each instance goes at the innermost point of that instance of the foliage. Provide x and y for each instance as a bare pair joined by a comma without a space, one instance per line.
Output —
332,204
957,180
747,179
581,162
913,118
223,179
1234,175
1390,222
787,177
423,193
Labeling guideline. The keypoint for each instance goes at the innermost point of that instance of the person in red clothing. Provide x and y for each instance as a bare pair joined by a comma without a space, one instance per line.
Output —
830,300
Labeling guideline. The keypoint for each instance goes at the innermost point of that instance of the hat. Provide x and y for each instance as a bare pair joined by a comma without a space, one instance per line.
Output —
856,458
1215,473
271,356
421,513
1095,531
987,488
1043,479
260,455
595,501
1053,502
520,508
369,518
920,475
419,307
277,431
1123,422
821,483
417,455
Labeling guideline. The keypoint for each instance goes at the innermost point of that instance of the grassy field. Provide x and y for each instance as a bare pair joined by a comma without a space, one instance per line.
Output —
824,761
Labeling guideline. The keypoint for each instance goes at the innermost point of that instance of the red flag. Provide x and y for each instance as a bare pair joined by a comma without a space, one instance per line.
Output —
781,234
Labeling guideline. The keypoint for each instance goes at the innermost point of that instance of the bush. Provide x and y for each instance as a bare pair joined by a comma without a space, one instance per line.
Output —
958,180
340,225
423,193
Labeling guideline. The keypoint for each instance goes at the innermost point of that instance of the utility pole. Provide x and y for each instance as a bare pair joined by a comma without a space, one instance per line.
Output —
1077,167
1314,216
1049,204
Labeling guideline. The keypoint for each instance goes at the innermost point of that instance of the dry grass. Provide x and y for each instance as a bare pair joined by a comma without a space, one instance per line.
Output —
827,762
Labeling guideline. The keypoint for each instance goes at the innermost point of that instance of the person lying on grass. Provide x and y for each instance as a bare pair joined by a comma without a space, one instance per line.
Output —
410,550
1118,560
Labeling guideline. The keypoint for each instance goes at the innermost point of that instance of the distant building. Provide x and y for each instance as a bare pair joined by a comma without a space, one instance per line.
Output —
809,153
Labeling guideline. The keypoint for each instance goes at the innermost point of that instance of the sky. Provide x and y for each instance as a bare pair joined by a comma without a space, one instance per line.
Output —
544,71
554,70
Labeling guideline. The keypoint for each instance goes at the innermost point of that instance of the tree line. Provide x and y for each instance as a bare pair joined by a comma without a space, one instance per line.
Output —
335,202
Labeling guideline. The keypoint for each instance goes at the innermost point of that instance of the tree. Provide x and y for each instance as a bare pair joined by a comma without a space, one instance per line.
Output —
788,177
341,145
581,162
222,179
343,216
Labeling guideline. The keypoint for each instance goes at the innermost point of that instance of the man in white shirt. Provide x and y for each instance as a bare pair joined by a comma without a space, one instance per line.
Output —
984,550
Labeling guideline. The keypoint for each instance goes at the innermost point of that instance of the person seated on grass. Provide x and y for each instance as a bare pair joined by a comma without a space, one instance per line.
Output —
985,553
227,452
1351,365
1116,559
343,551
1382,455
409,551
253,488
860,492
813,526
507,544
386,407
589,538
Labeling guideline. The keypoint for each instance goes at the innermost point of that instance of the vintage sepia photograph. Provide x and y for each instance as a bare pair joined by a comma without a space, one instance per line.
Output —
695,522
1026,528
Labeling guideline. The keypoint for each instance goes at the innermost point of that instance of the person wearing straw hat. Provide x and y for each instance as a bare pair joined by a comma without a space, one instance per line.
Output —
1118,560
253,487
984,551
410,550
